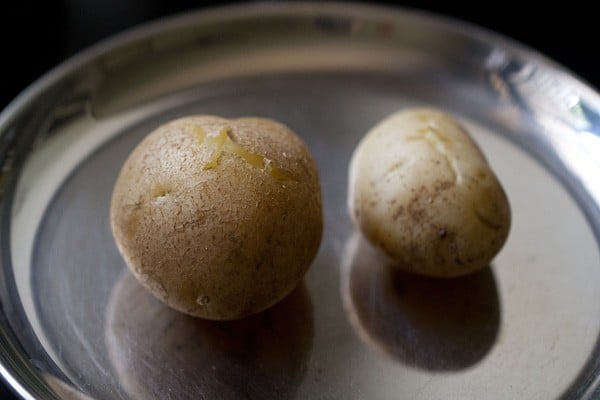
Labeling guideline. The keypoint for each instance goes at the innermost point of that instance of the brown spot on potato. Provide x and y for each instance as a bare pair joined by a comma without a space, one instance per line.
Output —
452,248
481,174
399,211
393,168
445,185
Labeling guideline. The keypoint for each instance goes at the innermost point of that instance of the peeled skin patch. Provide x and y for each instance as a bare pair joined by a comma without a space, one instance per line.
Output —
422,191
218,218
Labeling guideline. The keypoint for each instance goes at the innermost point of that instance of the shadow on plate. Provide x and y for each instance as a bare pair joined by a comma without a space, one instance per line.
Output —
160,353
433,324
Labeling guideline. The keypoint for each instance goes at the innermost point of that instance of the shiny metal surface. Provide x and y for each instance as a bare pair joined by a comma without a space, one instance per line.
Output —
76,325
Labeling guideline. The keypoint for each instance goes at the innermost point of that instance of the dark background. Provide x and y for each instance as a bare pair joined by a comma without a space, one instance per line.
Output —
38,35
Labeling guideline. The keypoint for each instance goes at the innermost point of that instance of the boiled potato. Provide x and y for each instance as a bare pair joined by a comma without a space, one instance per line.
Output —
218,218
422,191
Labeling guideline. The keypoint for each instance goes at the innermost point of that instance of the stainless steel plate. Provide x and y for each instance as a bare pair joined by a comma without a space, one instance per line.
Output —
75,324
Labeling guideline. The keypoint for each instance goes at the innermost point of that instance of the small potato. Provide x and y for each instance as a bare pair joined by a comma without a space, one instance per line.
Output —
422,191
218,218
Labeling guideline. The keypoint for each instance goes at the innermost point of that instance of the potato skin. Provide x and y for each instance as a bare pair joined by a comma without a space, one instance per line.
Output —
211,234
422,191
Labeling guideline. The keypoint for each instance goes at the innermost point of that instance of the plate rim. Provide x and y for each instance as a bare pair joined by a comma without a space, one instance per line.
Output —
152,28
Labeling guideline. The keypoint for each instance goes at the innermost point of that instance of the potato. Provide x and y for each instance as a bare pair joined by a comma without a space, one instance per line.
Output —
218,218
422,191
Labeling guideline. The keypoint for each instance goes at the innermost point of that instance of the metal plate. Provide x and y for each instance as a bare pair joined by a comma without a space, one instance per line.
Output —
77,325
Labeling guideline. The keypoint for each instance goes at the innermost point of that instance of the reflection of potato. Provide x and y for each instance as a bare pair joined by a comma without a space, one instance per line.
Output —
218,218
159,353
422,191
433,324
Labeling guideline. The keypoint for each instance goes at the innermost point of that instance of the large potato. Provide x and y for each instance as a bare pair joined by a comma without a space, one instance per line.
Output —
218,218
422,191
